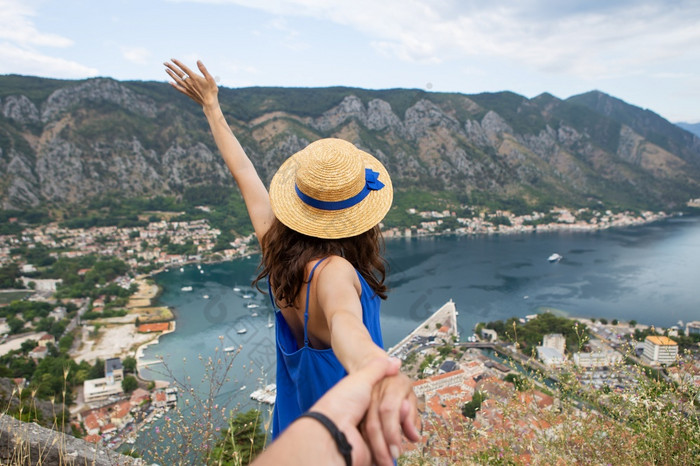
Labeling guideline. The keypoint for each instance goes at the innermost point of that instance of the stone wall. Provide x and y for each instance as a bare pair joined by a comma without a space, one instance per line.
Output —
24,443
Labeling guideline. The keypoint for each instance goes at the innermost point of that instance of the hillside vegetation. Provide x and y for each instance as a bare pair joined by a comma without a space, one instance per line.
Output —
62,142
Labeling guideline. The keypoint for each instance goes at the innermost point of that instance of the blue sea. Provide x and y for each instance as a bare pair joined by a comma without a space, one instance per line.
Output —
648,273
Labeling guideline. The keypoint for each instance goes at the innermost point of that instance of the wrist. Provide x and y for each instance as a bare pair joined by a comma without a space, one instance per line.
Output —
211,107
343,449
363,360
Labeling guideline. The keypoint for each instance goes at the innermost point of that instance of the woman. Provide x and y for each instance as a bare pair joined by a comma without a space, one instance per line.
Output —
318,228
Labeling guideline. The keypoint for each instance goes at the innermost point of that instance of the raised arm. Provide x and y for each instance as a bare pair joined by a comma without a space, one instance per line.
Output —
393,407
204,90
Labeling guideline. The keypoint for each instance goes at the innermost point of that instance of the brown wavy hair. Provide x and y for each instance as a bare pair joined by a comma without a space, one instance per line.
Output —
286,252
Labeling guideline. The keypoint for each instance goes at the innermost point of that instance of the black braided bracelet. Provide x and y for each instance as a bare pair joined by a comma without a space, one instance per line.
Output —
344,448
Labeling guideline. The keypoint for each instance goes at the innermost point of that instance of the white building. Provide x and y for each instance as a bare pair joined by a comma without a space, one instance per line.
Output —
114,371
660,349
100,389
692,328
550,357
597,358
556,341
439,381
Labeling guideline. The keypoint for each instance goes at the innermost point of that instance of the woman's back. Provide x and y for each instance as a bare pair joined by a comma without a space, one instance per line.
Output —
306,364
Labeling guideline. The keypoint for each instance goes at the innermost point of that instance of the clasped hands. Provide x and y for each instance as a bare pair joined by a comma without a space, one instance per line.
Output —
371,407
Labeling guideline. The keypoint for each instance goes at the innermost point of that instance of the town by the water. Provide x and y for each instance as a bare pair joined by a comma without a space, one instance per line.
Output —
86,296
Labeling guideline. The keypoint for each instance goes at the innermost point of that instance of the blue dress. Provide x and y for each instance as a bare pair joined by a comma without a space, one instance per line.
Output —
305,374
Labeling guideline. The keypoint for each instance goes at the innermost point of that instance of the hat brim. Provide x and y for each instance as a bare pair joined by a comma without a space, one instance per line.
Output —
328,224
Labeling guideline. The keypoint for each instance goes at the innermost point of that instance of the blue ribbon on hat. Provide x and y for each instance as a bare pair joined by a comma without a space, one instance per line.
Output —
372,183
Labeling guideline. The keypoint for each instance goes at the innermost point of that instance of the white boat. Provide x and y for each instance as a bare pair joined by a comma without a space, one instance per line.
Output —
230,349
555,257
265,395
206,296
186,288
254,314
252,305
201,271
235,288
199,266
269,321
247,296
241,330
243,388
182,269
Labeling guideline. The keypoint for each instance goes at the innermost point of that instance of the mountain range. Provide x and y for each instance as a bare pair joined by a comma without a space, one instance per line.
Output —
692,127
67,141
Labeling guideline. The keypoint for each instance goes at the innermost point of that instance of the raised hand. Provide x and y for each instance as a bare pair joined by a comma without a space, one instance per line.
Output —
200,88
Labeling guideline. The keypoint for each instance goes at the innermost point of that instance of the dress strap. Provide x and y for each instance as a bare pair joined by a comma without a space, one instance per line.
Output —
306,310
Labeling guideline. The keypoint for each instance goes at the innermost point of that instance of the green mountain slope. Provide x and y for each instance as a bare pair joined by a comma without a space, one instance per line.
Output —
67,141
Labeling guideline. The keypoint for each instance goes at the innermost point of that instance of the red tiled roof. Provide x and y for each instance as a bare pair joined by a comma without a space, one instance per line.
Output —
91,421
438,377
159,327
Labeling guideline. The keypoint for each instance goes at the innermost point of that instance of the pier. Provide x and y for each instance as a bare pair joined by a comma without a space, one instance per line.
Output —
441,324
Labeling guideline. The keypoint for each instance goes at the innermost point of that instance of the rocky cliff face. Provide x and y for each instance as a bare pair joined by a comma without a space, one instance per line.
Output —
100,136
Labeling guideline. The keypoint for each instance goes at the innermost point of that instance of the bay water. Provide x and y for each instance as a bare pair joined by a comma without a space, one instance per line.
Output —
648,273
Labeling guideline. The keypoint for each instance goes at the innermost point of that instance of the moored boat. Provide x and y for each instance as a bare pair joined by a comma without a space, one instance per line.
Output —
555,257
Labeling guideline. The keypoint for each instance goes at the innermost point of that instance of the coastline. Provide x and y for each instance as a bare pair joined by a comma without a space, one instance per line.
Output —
253,251
122,331
141,362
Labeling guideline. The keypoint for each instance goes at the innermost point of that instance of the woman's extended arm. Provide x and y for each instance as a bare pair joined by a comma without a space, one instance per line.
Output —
204,90
393,405
306,441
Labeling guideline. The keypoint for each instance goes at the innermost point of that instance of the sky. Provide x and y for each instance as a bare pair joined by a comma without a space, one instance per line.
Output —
645,52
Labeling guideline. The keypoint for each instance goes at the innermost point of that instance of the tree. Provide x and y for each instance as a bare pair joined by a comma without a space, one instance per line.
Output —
470,408
27,346
521,383
129,364
15,324
97,370
129,384
633,323
614,322
241,442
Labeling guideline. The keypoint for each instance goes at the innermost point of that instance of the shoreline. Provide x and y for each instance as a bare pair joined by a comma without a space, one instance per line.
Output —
140,356
560,228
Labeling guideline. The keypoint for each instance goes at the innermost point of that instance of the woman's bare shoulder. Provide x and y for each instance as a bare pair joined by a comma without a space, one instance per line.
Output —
336,268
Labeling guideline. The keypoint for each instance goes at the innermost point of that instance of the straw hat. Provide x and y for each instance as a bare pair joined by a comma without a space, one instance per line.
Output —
331,189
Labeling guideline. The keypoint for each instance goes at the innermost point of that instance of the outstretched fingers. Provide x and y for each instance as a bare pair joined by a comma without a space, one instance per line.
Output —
201,88
205,73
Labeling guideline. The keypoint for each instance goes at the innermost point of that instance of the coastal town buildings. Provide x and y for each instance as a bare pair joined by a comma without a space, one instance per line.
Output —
441,394
105,387
692,328
555,341
660,349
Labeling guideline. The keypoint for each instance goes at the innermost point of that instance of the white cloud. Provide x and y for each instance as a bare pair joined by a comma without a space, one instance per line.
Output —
16,26
137,55
17,60
291,39
21,42
585,37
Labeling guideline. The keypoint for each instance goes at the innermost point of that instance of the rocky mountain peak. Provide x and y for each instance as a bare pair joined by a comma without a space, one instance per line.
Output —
96,91
20,109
